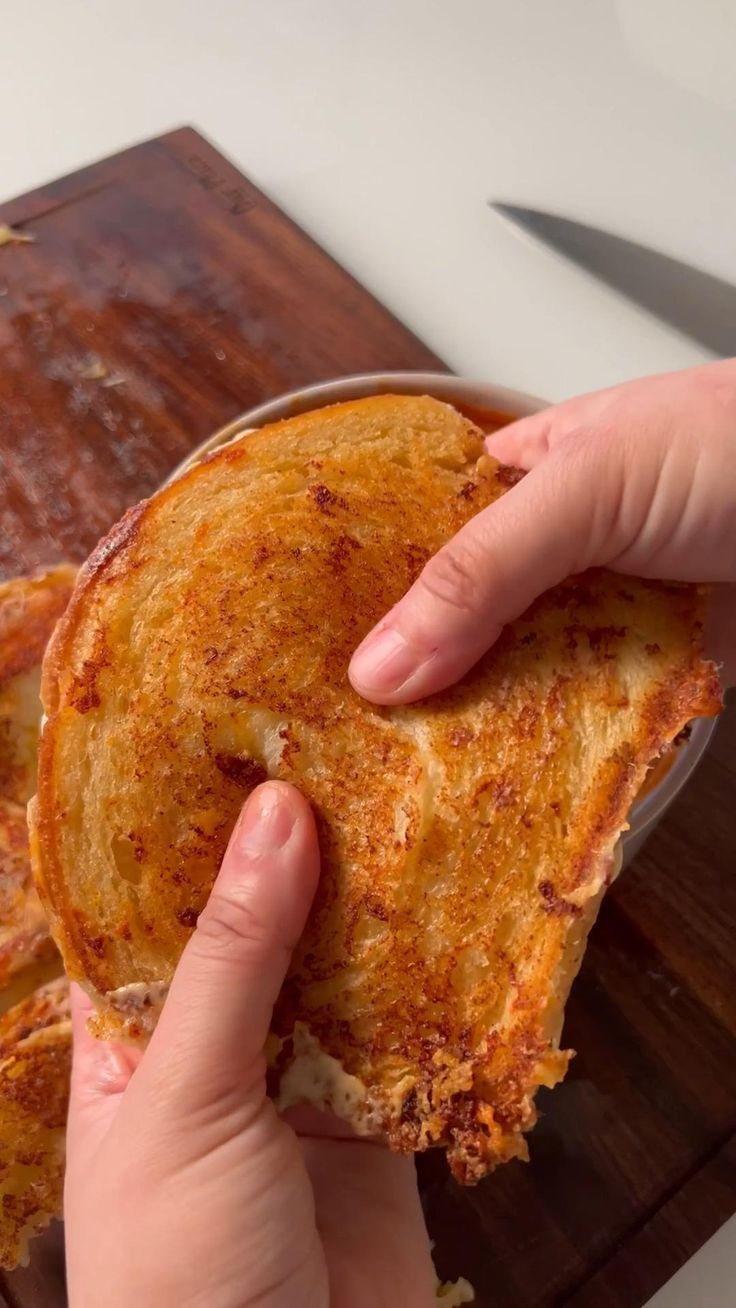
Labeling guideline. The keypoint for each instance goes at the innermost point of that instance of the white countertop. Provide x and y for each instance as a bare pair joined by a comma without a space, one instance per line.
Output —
384,127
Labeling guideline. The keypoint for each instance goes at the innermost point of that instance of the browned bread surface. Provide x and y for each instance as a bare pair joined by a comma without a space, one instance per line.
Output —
35,1062
29,609
25,942
466,840
35,1033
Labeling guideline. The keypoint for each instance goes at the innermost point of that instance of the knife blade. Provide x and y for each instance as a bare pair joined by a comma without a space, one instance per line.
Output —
696,303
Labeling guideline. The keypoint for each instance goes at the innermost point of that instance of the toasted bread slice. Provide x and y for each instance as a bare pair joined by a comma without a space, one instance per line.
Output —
35,1063
466,840
29,610
35,1032
26,946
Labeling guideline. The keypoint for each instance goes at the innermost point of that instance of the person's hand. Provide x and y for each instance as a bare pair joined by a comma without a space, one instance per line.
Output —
640,478
184,1188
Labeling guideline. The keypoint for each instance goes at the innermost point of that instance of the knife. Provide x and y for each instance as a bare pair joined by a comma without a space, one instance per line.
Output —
701,306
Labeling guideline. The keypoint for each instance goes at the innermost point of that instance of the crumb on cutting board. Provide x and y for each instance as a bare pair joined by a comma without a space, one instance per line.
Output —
11,236
454,1293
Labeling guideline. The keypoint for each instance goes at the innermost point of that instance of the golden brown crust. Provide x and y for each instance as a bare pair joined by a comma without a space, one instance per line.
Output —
466,842
47,1006
35,1033
29,610
24,933
35,1062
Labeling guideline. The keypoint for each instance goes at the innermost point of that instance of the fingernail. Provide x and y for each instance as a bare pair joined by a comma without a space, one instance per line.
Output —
384,661
266,822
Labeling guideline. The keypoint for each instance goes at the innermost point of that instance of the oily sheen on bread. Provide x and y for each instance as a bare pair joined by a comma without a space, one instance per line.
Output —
466,841
29,609
35,1032
35,1065
26,946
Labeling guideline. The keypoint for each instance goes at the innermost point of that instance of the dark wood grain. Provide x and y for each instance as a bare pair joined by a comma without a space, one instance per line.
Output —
163,295
165,272
673,1234
42,1283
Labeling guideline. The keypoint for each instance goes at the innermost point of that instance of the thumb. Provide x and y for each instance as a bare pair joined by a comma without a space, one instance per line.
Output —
547,527
207,1050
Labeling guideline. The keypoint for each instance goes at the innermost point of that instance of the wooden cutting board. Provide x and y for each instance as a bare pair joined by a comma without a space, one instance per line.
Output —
163,295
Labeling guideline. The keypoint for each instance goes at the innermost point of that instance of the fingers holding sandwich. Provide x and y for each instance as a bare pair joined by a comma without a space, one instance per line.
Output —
641,478
207,1049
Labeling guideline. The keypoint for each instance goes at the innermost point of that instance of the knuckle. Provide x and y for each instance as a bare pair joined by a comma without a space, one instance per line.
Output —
724,396
230,925
581,440
453,576
591,479
547,432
